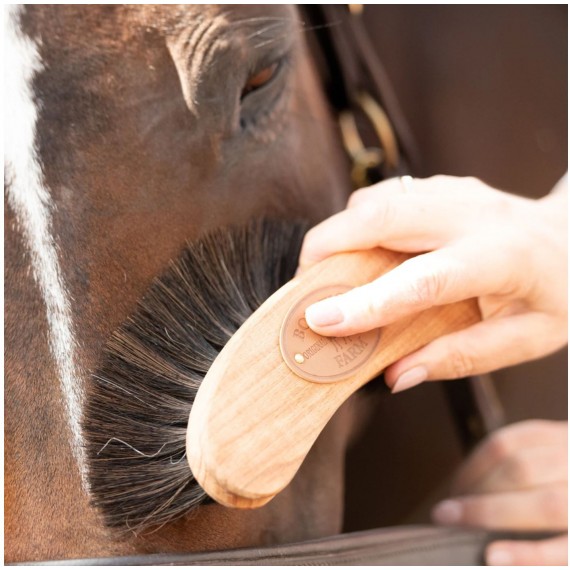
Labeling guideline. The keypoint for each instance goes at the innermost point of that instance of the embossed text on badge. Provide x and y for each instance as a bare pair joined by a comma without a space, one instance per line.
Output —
319,358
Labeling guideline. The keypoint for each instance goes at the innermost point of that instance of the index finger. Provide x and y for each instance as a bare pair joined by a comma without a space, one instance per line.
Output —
447,275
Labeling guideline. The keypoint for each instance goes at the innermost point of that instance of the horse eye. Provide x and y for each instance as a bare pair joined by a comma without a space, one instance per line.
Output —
259,79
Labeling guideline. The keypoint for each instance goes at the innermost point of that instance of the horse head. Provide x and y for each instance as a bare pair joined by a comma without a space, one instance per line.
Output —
132,131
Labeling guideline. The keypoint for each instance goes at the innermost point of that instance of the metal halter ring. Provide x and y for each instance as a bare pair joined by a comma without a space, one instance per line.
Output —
369,157
407,183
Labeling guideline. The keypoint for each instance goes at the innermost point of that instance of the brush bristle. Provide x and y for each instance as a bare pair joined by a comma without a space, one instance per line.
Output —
139,400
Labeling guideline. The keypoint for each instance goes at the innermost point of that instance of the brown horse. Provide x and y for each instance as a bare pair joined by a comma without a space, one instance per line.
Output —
131,131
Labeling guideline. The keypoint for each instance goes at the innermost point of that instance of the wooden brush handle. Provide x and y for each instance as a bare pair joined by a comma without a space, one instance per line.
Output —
272,389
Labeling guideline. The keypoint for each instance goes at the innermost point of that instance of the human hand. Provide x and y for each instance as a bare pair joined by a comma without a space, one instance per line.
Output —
509,252
517,479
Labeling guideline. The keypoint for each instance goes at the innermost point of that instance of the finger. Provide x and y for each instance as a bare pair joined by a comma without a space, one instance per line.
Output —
387,216
483,347
440,186
505,444
527,469
444,276
395,187
549,552
540,509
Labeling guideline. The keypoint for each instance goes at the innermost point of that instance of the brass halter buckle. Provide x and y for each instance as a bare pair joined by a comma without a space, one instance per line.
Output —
366,158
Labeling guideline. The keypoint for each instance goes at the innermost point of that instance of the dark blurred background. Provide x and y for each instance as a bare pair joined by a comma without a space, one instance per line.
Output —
484,89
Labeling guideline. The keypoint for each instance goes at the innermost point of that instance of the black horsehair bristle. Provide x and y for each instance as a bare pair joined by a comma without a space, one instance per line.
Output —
139,399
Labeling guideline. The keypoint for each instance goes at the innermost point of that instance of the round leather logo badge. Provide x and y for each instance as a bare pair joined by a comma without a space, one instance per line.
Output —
319,358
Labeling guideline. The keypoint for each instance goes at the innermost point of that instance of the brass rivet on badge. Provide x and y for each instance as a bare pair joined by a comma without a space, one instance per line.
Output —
318,358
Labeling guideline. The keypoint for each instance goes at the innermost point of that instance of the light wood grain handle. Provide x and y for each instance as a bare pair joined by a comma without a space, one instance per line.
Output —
260,409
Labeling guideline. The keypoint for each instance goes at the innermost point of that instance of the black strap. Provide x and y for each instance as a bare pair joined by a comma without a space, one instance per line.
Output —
348,65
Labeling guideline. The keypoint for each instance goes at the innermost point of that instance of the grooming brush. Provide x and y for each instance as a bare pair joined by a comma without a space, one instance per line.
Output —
275,384
139,397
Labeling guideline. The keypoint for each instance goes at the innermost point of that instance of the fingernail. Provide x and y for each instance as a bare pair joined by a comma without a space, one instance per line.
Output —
410,378
499,557
447,512
324,314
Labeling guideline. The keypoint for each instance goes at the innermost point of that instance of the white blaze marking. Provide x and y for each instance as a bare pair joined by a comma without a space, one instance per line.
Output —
32,205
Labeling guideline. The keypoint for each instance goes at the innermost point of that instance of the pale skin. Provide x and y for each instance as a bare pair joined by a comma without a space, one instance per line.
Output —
517,479
511,254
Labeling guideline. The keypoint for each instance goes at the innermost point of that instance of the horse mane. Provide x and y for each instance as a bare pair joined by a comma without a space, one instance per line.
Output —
139,399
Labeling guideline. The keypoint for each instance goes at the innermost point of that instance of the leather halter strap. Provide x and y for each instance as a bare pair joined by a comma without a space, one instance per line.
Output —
358,86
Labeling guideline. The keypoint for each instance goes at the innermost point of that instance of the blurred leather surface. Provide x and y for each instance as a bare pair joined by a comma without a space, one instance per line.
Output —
417,546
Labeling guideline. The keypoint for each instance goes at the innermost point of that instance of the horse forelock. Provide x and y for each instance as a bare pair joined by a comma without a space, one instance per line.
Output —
29,198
